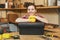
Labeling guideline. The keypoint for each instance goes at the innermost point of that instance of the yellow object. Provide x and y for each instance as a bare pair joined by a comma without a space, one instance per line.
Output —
52,35
0,37
6,35
32,19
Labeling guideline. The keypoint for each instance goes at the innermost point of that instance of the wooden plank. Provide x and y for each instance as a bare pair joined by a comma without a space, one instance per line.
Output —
25,8
54,30
31,37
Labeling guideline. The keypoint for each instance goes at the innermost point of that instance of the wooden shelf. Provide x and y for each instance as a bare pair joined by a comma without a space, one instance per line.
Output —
9,8
50,7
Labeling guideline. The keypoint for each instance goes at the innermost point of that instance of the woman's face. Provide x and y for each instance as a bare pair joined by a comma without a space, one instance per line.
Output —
31,10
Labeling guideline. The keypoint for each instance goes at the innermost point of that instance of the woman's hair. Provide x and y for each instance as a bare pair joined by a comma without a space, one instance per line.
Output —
27,4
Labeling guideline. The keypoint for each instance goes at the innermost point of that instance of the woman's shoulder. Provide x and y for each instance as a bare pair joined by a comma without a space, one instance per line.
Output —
25,16
39,15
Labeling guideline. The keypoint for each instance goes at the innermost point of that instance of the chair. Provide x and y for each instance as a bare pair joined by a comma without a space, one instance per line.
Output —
4,23
12,17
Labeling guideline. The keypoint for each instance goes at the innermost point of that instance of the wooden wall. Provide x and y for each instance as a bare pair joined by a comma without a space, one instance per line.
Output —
37,2
51,15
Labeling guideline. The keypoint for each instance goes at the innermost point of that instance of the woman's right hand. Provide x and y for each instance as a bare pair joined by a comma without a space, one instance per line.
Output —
21,20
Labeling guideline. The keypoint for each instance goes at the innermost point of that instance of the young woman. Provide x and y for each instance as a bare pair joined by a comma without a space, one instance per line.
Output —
31,11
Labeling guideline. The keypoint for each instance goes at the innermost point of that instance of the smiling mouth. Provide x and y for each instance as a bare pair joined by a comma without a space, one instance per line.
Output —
30,12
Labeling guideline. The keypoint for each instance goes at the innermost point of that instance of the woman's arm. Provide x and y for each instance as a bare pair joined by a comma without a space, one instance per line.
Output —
21,20
41,19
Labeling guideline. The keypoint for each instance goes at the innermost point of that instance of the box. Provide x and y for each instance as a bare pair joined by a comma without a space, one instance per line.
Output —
29,28
39,2
58,2
52,2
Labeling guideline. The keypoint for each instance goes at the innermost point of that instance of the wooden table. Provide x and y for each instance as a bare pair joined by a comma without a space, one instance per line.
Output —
35,37
31,37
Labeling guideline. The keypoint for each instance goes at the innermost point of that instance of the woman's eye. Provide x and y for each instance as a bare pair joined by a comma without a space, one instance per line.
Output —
32,9
28,9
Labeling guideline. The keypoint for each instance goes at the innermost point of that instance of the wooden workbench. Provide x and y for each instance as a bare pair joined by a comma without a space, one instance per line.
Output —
56,31
31,37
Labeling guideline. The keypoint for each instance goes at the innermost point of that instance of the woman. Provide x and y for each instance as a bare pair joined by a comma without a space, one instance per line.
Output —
31,11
